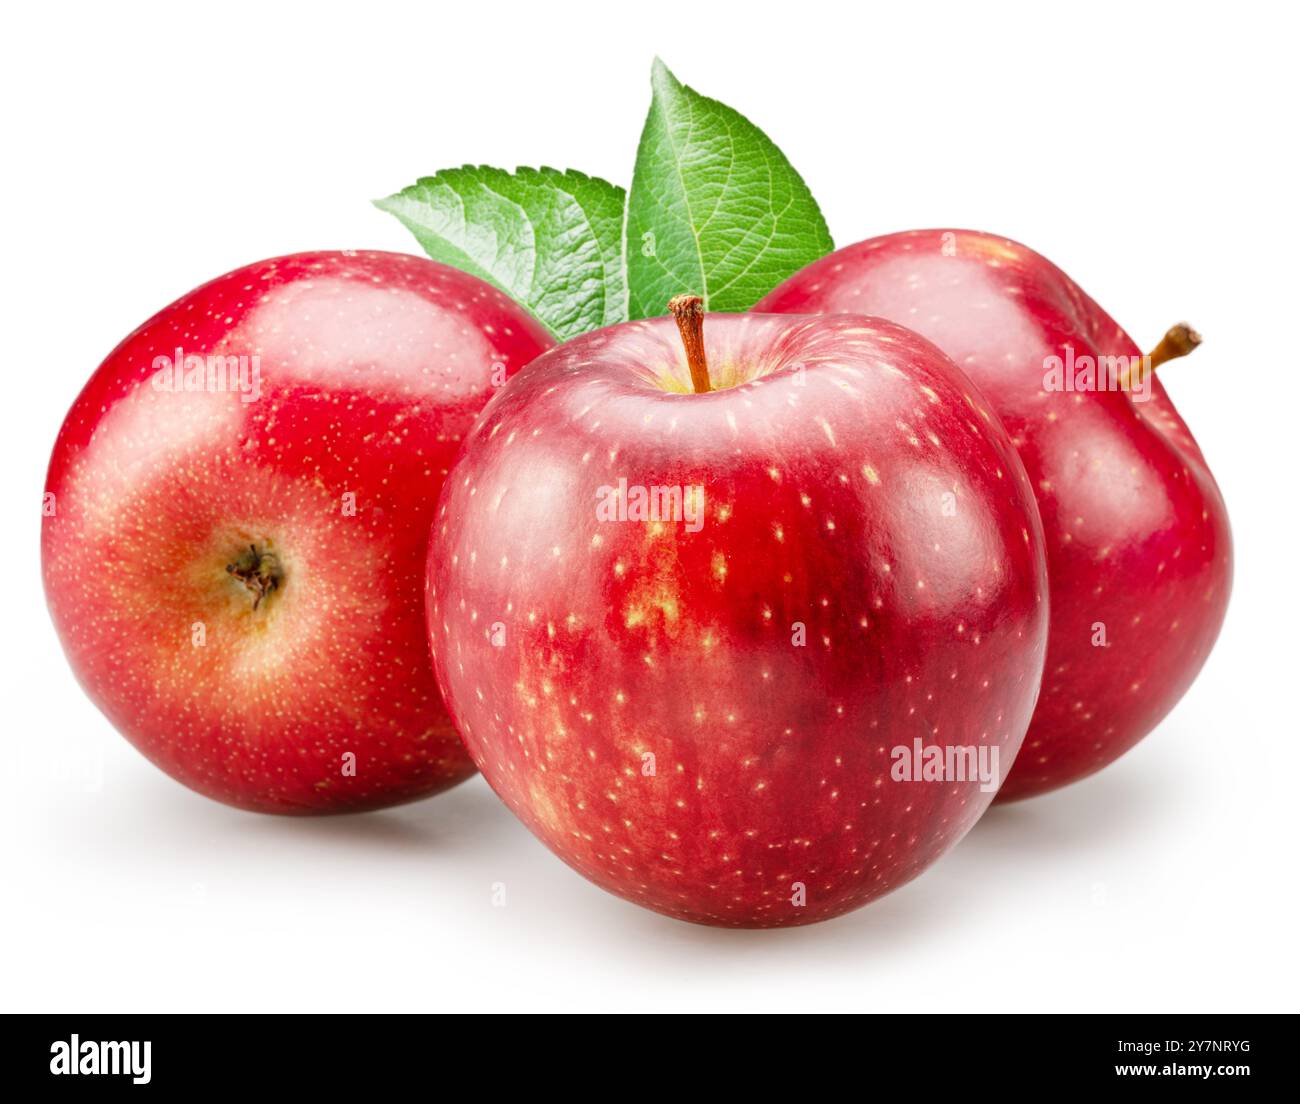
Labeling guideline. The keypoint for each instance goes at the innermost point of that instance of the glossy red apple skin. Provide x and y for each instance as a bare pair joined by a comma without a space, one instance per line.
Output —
372,368
823,503
1137,533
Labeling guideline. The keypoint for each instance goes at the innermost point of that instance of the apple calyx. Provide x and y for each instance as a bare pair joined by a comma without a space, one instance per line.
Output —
259,571
1179,340
689,312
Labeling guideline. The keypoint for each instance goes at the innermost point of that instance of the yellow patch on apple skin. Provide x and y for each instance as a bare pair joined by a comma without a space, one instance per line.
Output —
655,605
654,600
722,376
545,810
996,248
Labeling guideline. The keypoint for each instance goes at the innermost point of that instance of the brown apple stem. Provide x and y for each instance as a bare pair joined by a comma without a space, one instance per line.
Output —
1179,340
689,312
259,571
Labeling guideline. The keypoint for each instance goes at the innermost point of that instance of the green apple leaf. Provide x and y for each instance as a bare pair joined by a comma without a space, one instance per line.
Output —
715,208
551,240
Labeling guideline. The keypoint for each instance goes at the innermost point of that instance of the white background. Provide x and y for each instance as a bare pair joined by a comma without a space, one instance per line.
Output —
1150,152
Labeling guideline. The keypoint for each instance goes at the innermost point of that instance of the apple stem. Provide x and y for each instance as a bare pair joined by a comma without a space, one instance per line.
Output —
689,312
1179,340
257,570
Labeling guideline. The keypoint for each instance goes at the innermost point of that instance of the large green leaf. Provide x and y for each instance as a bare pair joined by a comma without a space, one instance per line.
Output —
715,208
552,240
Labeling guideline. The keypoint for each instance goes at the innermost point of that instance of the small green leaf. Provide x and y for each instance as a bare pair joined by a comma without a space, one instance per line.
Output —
551,240
715,208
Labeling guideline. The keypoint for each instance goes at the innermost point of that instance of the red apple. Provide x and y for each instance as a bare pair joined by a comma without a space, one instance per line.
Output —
1139,551
684,635
234,554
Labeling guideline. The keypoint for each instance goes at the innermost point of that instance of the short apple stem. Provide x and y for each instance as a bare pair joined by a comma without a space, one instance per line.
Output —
259,571
1179,340
689,312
